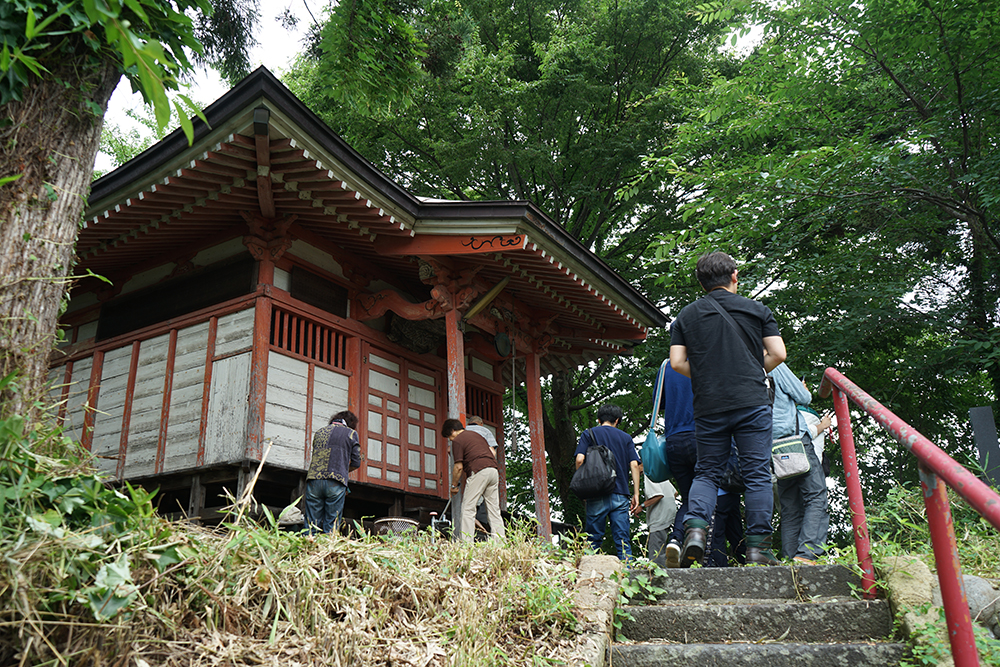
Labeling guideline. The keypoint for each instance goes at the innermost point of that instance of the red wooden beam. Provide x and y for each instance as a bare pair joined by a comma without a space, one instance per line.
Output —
258,372
206,390
168,387
449,245
536,431
64,392
93,391
133,370
310,394
456,388
371,306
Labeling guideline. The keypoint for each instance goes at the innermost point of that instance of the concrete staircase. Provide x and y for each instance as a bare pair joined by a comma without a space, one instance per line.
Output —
760,617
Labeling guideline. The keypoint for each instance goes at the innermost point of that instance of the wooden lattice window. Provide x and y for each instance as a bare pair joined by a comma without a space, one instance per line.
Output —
304,338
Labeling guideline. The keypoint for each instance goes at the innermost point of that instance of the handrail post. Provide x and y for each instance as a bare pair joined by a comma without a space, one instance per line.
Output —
956,605
855,496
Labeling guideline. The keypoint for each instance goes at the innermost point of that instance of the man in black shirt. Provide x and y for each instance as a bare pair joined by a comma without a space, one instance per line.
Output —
727,361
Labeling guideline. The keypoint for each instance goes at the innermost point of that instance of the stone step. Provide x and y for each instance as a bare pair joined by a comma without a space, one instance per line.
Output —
874,654
798,582
689,622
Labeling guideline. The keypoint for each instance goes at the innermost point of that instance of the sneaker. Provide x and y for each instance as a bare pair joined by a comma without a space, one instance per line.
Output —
673,554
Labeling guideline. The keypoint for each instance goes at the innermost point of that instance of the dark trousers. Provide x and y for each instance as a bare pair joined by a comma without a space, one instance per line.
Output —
750,428
682,454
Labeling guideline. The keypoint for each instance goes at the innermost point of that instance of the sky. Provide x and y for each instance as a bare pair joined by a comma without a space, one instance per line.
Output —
276,49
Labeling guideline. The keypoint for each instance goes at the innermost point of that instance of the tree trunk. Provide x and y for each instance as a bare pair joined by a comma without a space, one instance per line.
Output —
51,141
560,444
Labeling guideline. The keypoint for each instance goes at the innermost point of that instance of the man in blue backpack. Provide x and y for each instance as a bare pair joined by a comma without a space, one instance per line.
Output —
726,344
616,505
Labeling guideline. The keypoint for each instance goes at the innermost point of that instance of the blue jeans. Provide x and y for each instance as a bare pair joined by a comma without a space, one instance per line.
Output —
804,517
324,504
682,454
614,506
751,430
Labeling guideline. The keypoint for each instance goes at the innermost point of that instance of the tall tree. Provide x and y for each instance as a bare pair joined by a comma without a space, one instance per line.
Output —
553,102
60,62
853,163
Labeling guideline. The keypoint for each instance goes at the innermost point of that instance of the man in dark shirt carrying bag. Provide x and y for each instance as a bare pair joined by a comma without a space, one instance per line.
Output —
727,360
616,506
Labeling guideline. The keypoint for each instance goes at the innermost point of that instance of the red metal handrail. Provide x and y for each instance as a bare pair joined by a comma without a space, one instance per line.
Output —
936,470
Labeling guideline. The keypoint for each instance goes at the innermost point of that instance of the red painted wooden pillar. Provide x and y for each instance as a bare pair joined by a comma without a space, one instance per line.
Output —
456,366
168,388
206,389
456,398
536,432
259,359
90,409
133,370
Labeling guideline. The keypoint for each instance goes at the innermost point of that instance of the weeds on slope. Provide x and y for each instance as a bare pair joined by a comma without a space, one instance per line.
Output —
91,575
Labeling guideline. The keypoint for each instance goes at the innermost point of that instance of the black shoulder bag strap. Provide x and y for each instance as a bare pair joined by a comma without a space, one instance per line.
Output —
739,332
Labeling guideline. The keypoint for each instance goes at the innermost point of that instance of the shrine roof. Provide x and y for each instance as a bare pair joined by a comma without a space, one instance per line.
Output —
263,152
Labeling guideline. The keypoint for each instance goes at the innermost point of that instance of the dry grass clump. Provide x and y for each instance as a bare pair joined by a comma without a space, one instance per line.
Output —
91,576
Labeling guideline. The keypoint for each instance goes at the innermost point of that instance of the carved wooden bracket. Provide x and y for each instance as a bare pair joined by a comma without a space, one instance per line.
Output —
355,275
441,301
268,237
376,305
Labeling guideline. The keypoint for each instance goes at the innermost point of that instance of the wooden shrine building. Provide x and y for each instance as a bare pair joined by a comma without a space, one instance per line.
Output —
268,276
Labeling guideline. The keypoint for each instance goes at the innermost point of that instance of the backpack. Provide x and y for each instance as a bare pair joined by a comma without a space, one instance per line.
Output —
597,476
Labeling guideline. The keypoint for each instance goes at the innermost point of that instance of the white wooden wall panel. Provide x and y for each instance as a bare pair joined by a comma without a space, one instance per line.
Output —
225,439
111,404
329,396
480,367
285,414
235,332
54,378
147,406
79,383
185,399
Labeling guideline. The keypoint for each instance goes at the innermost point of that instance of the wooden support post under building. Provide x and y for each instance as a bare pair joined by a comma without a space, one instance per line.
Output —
536,431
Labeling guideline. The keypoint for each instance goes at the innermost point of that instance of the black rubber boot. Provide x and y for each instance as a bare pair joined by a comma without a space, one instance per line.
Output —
759,551
694,542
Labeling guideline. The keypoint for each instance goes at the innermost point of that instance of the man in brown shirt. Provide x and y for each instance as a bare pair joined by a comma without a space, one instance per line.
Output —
472,454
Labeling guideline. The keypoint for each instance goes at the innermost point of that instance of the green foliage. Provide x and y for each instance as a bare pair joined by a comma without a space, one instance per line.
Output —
372,55
637,586
121,143
930,645
898,524
70,539
149,40
842,165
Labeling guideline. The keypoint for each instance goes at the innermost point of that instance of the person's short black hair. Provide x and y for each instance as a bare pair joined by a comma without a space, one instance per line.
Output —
347,417
610,413
450,426
714,270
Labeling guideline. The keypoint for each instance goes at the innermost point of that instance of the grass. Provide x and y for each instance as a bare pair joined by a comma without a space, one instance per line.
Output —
91,575
898,525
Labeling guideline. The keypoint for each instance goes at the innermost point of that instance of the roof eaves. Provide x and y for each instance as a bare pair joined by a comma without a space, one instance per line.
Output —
259,85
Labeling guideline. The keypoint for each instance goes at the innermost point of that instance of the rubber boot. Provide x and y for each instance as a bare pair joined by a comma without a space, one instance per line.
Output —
694,542
759,550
